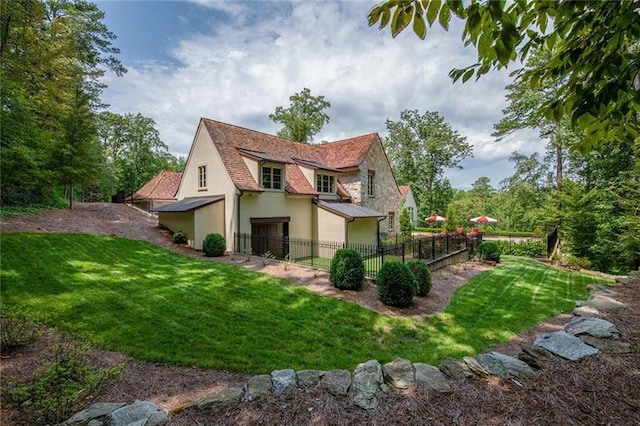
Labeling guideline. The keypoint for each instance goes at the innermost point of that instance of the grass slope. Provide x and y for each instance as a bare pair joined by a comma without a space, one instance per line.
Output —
156,305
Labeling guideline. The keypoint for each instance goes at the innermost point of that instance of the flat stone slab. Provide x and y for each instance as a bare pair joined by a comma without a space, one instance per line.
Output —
139,412
399,373
309,378
258,386
226,398
504,365
565,345
603,303
607,345
454,369
586,311
368,384
94,411
283,380
429,377
336,382
595,327
475,366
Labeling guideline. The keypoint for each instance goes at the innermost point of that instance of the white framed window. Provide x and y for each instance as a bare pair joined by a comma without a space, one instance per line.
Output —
325,183
391,220
271,177
371,184
202,178
410,210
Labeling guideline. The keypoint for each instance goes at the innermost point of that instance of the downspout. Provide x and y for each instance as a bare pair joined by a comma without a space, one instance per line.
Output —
346,230
379,240
238,219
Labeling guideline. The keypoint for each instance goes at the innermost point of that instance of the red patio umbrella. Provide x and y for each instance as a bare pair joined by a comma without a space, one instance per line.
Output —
483,219
436,218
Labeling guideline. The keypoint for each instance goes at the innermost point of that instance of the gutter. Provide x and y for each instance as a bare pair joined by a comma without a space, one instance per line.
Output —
346,230
379,241
240,193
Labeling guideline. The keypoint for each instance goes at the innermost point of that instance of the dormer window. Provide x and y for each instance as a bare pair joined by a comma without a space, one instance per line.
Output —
271,177
325,184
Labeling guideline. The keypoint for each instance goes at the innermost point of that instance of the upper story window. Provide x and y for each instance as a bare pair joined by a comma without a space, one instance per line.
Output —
325,183
411,214
202,177
271,177
391,220
371,184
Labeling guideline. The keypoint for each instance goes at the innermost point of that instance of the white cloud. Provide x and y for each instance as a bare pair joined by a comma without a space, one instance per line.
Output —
251,62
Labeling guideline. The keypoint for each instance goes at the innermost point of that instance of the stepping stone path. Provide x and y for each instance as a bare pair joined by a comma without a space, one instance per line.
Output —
585,335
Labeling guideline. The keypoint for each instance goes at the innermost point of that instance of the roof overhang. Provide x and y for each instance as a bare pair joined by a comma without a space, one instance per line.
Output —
188,204
348,210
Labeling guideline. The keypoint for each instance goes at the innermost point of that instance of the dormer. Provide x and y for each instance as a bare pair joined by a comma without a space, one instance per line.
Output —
267,170
324,179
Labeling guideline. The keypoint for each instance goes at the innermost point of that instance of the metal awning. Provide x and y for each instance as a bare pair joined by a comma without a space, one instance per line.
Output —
188,204
349,210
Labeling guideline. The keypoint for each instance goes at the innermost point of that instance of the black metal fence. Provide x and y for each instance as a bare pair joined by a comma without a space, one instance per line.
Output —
318,254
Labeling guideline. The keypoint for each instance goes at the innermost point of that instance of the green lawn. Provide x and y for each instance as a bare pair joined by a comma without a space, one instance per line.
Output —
156,305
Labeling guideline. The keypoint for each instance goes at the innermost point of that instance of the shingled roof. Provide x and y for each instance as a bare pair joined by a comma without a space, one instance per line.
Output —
162,186
234,142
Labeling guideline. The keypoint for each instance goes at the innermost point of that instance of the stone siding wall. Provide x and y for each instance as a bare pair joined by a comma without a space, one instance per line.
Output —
386,194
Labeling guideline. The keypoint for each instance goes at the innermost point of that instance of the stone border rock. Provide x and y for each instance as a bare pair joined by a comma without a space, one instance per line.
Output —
584,335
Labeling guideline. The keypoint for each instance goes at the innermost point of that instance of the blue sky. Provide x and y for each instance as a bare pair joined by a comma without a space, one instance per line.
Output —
236,61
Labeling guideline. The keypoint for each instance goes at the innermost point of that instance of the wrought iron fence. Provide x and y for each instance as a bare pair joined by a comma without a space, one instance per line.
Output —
319,254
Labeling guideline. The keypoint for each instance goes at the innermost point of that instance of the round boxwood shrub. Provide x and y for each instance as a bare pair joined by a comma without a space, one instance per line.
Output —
489,250
423,276
213,245
179,237
347,270
396,284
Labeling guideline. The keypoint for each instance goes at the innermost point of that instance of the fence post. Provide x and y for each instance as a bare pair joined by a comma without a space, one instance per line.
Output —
419,248
402,252
446,243
433,247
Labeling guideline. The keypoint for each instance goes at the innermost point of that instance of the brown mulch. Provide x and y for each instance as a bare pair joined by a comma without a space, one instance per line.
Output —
604,389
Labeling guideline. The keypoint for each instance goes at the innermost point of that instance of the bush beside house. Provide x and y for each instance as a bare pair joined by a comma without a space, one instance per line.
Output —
396,284
347,270
213,245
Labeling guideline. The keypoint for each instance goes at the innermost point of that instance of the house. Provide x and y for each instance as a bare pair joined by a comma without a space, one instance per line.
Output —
408,201
159,191
239,182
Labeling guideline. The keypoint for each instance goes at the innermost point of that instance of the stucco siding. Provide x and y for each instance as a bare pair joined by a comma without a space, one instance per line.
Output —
208,220
219,182
179,222
363,231
277,204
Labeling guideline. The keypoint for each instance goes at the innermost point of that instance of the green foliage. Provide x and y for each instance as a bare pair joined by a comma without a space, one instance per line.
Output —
420,147
347,270
396,284
423,276
304,118
64,385
489,250
537,248
16,329
48,133
132,150
594,44
214,245
571,261
179,237
406,224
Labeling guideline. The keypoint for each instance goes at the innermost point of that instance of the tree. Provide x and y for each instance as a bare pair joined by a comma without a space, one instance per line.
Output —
420,147
52,56
595,54
132,150
304,118
406,224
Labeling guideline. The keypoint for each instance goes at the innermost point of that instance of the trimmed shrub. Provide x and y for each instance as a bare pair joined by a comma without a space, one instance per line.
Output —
489,250
423,276
523,248
179,237
347,270
396,284
214,245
